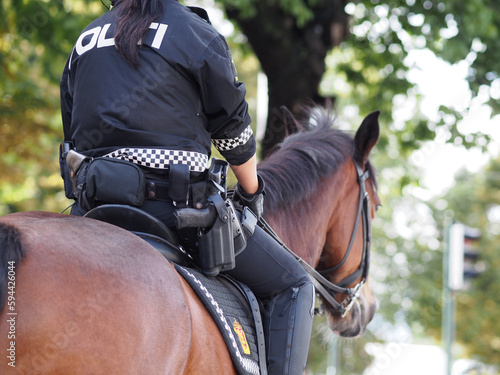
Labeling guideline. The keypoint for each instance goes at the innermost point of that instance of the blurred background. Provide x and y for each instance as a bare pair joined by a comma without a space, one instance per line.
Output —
431,68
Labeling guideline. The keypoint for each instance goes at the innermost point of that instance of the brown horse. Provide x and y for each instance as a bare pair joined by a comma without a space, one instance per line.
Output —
84,297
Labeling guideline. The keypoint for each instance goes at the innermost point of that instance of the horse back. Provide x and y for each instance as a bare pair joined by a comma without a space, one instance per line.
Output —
92,298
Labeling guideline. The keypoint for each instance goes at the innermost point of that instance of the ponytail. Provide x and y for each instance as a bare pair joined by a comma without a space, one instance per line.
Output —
134,19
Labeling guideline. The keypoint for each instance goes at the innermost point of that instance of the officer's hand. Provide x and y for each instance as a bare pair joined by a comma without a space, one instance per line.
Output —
254,202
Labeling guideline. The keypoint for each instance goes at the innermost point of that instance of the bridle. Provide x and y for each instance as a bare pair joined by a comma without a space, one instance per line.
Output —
353,293
327,289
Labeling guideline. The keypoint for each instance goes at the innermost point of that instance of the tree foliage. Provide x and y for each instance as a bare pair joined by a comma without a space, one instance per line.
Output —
291,39
35,40
476,199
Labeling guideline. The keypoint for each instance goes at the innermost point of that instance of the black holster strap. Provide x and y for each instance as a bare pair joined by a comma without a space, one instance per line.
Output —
157,190
178,178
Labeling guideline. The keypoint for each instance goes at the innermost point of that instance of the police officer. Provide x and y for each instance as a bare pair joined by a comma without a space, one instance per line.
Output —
153,83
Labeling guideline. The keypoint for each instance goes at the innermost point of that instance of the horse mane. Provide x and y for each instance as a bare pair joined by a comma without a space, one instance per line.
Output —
12,250
297,166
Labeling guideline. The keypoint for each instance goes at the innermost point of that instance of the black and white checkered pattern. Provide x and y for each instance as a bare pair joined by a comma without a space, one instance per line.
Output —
161,159
231,143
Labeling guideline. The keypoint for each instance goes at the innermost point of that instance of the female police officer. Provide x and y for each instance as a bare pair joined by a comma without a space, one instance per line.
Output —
152,82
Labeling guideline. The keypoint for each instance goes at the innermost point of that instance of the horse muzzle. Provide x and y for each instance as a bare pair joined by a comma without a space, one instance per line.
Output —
353,324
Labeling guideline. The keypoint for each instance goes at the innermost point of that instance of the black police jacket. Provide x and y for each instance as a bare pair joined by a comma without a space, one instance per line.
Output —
184,94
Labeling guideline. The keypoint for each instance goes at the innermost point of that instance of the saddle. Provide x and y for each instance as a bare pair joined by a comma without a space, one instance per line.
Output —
232,305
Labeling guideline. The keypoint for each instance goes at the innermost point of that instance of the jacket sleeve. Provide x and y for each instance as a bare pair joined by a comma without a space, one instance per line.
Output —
224,104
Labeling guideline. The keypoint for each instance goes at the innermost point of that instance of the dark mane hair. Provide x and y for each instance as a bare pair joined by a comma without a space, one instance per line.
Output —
297,167
134,20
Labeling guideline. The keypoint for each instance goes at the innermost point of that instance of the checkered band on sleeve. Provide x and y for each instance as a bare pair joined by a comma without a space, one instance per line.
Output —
161,159
231,143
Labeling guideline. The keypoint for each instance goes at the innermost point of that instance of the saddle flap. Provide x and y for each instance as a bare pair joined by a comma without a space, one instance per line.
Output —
236,312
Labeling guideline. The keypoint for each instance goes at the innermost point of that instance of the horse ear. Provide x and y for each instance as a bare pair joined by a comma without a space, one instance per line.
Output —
291,124
367,137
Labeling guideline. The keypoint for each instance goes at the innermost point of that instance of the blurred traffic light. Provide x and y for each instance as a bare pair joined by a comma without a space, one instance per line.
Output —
463,255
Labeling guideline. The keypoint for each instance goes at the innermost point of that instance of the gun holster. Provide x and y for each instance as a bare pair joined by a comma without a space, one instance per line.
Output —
216,244
221,235
225,239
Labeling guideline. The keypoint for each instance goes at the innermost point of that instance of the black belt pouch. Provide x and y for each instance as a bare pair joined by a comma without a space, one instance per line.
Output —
115,181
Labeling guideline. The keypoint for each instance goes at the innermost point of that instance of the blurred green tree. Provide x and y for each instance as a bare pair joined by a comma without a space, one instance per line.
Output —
408,271
291,39
35,40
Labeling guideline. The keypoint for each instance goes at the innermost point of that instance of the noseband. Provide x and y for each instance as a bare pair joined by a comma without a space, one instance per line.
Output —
326,288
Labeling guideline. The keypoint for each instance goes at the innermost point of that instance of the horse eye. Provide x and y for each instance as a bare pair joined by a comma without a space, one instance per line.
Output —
377,207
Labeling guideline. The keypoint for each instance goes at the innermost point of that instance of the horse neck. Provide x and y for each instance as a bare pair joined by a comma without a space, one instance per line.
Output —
303,226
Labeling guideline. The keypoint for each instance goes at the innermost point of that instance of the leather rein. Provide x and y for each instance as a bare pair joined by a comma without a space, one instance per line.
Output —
327,289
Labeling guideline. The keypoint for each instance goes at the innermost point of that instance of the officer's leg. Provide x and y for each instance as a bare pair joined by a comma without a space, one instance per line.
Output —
288,330
283,285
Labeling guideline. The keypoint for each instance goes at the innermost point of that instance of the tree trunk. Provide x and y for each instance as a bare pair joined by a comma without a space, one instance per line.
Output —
293,58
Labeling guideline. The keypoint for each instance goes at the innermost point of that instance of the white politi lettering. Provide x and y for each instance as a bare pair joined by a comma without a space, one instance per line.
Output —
99,39
161,29
103,42
80,48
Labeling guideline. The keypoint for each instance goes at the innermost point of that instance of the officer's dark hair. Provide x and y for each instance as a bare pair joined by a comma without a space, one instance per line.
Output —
134,19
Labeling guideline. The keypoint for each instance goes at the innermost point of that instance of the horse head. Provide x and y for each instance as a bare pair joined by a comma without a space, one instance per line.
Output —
345,258
320,199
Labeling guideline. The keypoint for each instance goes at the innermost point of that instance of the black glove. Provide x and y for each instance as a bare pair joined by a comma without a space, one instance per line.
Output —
254,202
